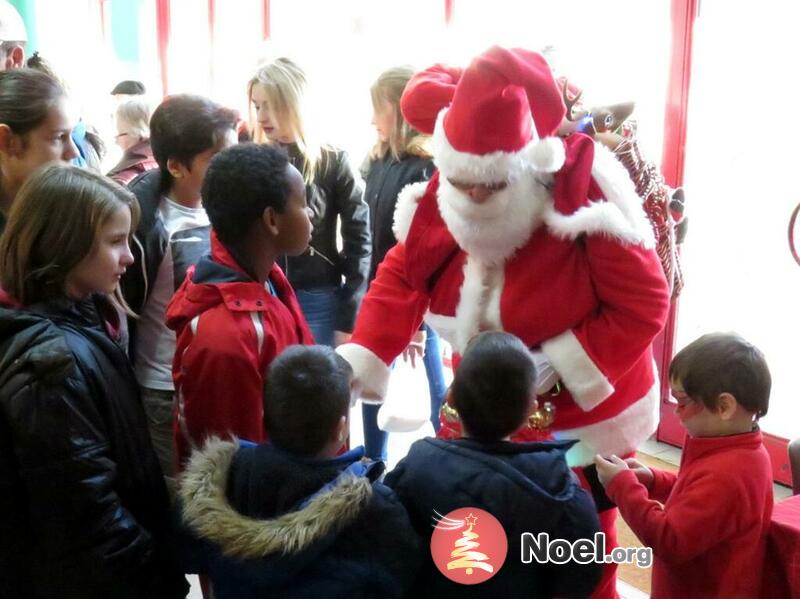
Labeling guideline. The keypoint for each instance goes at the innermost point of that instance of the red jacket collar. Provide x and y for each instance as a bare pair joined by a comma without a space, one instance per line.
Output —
696,447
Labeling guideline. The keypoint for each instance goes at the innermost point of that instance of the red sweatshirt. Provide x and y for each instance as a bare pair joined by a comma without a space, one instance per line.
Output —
709,537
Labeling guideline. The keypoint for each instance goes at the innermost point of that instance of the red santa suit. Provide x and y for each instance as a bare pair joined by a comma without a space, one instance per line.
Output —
562,256
563,259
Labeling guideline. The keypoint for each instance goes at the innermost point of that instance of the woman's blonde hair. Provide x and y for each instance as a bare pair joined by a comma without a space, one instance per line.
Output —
53,225
403,139
286,87
134,114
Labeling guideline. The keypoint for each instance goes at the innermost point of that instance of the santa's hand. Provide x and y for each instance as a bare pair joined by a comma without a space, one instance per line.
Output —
608,468
546,375
415,349
643,474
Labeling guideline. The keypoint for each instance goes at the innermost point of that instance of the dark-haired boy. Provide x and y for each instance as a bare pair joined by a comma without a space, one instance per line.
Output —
292,518
172,235
236,312
528,487
708,537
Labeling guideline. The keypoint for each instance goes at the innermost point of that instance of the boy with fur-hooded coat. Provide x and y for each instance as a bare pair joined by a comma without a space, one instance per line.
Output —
328,529
292,518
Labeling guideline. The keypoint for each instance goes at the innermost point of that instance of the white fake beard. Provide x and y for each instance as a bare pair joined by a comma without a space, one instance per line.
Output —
494,230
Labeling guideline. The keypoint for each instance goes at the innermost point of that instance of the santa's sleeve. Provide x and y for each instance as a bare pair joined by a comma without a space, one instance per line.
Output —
626,275
390,315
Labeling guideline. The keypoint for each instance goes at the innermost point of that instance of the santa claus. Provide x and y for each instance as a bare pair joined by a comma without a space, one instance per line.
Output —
522,231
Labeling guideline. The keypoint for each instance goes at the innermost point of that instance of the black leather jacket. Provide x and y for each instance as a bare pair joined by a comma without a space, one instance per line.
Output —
85,511
385,178
336,194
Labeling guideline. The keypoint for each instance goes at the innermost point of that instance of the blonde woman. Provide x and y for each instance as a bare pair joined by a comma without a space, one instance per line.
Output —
83,506
399,157
329,283
133,136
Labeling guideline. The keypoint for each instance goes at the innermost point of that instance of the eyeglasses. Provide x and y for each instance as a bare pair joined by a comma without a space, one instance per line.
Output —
466,187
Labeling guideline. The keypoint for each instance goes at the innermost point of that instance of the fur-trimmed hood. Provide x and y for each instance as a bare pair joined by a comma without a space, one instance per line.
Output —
209,514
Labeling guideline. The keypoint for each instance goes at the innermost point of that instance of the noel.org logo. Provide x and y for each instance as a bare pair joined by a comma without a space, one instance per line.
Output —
468,545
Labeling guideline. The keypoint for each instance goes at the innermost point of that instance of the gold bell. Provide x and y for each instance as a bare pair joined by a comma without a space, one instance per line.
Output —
542,418
449,412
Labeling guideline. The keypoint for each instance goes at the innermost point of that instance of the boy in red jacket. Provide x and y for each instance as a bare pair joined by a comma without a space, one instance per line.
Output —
235,312
709,535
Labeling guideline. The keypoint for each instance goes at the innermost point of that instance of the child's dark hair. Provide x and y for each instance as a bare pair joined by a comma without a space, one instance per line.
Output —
493,386
242,182
184,126
306,393
723,363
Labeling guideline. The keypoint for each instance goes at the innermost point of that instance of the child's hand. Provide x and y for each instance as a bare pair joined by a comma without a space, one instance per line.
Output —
608,468
642,472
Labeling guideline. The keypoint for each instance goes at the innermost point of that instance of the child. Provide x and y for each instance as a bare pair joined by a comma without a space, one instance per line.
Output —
528,487
236,311
34,129
173,234
709,536
291,518
329,283
84,508
399,158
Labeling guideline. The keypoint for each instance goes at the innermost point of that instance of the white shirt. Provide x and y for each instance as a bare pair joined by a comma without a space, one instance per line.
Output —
188,231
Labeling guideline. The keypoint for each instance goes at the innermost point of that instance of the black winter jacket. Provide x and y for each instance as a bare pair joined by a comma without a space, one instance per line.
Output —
385,178
84,510
336,194
528,487
268,523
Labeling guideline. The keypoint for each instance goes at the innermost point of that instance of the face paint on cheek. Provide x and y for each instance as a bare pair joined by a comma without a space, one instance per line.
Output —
688,411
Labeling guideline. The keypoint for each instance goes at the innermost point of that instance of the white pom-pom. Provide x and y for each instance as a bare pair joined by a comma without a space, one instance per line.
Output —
546,155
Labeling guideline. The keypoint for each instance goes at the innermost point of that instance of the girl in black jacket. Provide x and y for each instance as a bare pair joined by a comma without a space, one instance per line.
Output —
329,283
399,158
83,506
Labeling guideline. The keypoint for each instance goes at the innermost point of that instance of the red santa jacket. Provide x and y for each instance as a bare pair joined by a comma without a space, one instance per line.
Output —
578,279
709,537
229,329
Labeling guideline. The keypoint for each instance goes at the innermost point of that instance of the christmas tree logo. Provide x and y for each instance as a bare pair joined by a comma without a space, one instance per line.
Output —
468,545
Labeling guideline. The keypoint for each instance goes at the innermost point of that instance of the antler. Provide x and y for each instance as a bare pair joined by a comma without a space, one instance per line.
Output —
570,102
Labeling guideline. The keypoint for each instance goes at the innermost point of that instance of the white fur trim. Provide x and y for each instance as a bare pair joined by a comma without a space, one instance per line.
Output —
472,302
588,386
546,155
407,202
621,214
618,435
494,230
479,302
484,168
368,370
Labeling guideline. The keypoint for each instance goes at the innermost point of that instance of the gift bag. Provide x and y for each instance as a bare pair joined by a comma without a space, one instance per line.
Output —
407,406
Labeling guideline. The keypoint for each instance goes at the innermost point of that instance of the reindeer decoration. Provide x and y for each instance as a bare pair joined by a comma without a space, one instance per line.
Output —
612,127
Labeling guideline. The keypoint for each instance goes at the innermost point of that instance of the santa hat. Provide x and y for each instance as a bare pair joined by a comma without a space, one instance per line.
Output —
504,111
12,28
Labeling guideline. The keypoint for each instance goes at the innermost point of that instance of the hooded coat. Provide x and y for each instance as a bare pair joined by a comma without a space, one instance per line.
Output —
85,511
527,487
329,529
229,329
